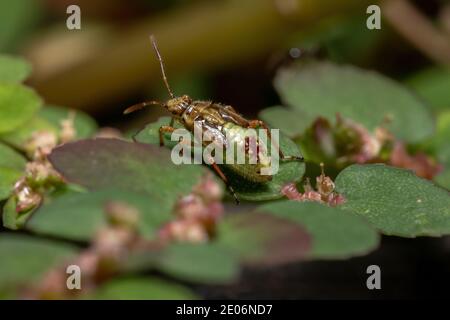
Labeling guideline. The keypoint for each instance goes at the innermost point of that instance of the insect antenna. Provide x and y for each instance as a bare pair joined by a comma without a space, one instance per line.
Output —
140,106
155,46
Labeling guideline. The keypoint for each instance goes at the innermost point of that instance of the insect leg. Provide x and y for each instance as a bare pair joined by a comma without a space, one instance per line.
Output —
259,123
162,130
224,178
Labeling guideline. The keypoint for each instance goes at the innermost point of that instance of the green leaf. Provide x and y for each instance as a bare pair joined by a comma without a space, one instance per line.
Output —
134,167
335,234
17,19
77,216
324,89
150,134
432,85
11,218
26,259
12,165
289,171
199,263
49,119
442,148
261,239
395,201
10,159
142,288
8,177
291,122
21,135
13,69
84,125
17,105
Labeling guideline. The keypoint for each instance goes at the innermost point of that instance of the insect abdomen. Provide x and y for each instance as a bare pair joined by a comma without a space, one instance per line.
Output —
236,138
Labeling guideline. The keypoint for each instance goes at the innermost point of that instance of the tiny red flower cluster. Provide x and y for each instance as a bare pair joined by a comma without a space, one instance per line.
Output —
324,192
196,214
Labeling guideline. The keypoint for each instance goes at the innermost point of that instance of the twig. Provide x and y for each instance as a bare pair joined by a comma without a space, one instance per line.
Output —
417,29
210,34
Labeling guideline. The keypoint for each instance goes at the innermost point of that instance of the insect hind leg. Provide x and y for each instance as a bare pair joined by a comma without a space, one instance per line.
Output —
224,179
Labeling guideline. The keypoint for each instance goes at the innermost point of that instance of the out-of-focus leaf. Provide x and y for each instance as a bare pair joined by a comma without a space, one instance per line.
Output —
246,190
335,234
134,167
432,84
17,105
84,125
441,145
49,119
324,89
17,18
24,259
10,159
342,37
13,69
8,178
395,201
19,137
142,288
12,165
77,216
11,218
150,134
263,239
199,263
291,122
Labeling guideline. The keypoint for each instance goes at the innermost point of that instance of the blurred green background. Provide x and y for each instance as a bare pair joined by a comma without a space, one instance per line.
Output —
224,50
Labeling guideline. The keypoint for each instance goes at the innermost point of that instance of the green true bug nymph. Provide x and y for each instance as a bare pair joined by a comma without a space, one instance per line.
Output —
222,122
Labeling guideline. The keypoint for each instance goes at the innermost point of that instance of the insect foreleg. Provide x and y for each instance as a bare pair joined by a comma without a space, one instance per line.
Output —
253,124
162,130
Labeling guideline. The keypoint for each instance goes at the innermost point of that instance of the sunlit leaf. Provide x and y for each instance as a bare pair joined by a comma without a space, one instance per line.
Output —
49,119
13,69
85,126
12,165
11,218
17,105
11,159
